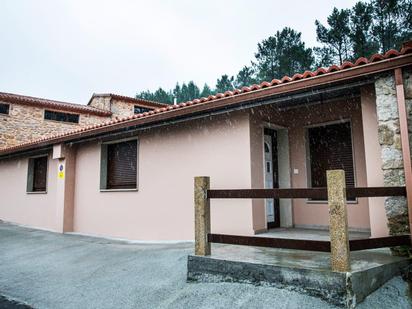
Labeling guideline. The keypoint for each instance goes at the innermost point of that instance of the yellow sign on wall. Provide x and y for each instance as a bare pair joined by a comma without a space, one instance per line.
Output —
61,171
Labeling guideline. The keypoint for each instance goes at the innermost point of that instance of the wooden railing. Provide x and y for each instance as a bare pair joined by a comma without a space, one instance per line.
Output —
336,194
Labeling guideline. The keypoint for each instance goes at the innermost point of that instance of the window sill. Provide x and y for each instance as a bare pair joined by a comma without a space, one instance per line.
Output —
119,190
36,192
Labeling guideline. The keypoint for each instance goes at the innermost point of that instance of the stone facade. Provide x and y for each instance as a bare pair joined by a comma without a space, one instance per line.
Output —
391,148
120,106
25,123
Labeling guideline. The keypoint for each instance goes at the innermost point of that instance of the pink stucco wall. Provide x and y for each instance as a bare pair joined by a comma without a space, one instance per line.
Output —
169,159
305,213
228,148
16,205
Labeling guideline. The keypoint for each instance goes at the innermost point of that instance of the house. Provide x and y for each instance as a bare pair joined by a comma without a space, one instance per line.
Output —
24,118
133,177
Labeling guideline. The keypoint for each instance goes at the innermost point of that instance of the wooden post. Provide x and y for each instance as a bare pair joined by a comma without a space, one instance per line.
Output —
338,221
406,153
202,216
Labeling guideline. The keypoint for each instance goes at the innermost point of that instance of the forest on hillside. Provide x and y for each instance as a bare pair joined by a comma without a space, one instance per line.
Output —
367,28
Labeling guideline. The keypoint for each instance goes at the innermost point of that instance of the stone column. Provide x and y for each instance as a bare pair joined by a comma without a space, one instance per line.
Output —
391,148
202,216
66,157
338,221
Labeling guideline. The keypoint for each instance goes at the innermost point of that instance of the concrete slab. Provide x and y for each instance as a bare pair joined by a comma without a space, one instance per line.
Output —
51,271
306,271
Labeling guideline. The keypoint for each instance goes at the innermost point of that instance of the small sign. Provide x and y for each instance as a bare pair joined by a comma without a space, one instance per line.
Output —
61,171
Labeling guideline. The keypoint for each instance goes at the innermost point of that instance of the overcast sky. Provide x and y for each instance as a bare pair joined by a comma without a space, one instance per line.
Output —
67,50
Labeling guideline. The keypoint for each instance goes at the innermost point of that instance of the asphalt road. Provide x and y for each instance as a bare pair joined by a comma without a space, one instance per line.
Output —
49,270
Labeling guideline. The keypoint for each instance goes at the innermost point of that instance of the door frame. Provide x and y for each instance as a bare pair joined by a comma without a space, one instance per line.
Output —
275,167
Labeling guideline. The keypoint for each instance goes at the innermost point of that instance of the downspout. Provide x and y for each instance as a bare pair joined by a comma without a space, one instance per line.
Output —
406,153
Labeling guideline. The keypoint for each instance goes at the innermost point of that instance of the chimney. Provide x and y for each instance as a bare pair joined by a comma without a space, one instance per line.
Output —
174,101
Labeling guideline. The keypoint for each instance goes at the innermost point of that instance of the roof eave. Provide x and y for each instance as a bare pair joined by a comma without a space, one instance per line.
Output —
261,94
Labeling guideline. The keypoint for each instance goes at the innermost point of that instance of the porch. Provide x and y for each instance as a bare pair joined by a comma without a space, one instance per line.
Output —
323,264
304,271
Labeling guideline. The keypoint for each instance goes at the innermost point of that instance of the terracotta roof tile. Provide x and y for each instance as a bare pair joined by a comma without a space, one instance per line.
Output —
274,83
51,104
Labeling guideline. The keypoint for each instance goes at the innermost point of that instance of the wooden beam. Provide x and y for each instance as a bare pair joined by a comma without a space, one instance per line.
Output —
379,242
314,193
270,242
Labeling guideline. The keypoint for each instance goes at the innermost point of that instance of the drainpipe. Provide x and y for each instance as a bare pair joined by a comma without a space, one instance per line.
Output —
403,122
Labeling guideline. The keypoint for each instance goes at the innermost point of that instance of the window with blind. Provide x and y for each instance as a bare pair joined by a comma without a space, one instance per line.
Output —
37,175
119,165
330,148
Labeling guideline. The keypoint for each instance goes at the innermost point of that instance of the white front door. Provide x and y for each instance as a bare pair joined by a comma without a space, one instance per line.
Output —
270,214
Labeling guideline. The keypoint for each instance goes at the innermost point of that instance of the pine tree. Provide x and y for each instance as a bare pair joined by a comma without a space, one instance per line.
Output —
361,20
162,96
193,91
224,83
387,27
282,54
245,77
206,91
336,37
324,56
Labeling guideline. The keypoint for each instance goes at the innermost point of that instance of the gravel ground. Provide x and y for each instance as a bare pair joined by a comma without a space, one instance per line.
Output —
48,270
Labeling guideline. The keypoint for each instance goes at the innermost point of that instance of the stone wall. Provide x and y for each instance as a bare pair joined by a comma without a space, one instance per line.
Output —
118,108
101,102
122,109
391,148
25,123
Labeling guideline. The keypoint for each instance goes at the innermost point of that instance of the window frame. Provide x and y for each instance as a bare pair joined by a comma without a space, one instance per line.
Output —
60,121
145,109
30,174
8,109
104,165
308,157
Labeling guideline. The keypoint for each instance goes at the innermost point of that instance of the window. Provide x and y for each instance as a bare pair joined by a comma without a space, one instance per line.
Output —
139,109
119,165
4,108
64,117
330,148
37,175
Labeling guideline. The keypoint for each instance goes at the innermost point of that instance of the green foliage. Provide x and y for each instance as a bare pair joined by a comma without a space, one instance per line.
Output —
367,28
336,36
361,22
159,95
282,54
206,91
224,83
245,77
392,22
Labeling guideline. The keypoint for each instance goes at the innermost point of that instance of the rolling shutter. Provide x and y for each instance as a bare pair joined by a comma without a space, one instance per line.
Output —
39,174
122,165
331,148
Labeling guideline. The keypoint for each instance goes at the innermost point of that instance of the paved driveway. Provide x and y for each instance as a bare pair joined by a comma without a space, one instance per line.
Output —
48,270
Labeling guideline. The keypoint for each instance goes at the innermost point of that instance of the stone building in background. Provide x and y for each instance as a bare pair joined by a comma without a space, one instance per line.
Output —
24,118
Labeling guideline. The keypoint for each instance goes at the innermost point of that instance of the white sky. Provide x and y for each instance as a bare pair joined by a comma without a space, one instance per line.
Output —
66,50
